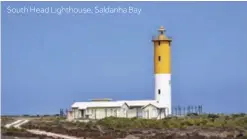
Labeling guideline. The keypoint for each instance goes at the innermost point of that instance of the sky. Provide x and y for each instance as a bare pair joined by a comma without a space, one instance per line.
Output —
50,61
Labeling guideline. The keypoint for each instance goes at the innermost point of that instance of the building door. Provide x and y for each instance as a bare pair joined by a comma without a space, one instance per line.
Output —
139,112
82,113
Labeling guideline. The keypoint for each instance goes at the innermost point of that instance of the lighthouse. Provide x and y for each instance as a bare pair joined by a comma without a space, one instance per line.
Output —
157,108
162,71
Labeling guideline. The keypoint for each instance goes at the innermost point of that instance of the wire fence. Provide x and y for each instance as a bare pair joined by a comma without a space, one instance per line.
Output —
186,110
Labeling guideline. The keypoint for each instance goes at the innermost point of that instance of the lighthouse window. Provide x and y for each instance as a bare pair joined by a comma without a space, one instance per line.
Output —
159,58
159,43
159,91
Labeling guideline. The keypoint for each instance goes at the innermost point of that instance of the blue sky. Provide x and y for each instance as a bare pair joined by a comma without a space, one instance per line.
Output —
50,61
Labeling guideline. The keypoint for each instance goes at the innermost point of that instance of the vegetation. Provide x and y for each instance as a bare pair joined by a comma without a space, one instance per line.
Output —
238,121
235,125
194,125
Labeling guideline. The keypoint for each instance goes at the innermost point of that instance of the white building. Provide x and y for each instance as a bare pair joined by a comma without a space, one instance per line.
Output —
100,109
158,108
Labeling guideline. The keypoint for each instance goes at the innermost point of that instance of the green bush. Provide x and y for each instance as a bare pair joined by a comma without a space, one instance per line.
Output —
175,122
238,115
213,116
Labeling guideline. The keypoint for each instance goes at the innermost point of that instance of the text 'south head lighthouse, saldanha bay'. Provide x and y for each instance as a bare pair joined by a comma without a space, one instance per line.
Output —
74,10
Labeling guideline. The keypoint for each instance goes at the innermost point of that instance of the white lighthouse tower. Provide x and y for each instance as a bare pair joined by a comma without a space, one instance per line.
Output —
162,73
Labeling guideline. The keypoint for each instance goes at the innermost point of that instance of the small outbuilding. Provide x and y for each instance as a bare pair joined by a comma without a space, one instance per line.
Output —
148,109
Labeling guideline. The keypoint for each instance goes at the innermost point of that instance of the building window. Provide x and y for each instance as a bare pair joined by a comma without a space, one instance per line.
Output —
159,43
159,58
159,91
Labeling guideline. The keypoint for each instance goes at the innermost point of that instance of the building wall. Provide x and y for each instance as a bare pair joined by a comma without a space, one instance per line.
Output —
111,112
161,57
150,112
132,112
163,90
70,116
99,113
123,111
135,112
76,113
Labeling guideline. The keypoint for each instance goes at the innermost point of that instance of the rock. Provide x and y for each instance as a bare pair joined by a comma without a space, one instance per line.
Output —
145,132
131,137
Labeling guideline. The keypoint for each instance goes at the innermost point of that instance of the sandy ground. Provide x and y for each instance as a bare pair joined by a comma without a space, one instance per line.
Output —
9,137
19,122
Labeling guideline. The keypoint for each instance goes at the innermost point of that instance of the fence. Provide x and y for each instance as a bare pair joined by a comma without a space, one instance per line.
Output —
181,111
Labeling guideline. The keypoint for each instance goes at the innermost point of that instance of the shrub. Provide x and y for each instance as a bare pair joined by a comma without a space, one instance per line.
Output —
113,123
213,116
192,114
238,115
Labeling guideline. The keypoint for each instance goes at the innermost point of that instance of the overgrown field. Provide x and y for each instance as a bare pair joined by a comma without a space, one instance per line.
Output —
194,126
15,132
